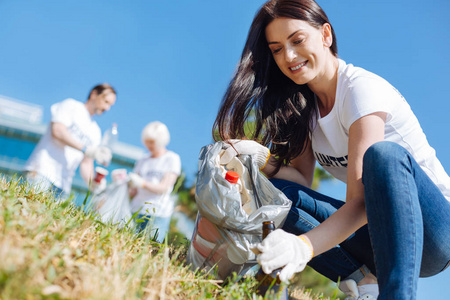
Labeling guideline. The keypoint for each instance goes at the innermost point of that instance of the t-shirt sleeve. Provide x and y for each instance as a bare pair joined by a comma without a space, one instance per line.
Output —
366,96
174,164
62,112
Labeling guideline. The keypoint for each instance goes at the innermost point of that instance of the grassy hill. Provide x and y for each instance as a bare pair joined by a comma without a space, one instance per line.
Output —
51,250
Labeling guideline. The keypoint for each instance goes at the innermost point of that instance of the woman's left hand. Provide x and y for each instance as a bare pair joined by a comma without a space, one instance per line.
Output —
282,249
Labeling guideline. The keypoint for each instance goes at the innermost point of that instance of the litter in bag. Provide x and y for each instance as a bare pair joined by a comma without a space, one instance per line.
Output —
113,204
229,221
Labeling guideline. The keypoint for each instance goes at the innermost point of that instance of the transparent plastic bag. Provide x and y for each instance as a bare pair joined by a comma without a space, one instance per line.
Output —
229,221
113,204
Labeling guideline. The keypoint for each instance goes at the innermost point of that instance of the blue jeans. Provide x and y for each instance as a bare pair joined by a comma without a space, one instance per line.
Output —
408,222
408,218
157,226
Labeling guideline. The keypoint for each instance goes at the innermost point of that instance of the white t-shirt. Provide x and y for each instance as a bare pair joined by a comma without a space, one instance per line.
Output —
360,93
153,169
56,161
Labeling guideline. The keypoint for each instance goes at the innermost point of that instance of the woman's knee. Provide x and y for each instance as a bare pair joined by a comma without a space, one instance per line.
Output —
428,270
382,152
381,155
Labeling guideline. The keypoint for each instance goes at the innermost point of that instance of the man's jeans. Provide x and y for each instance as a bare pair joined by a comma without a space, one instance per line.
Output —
42,183
408,222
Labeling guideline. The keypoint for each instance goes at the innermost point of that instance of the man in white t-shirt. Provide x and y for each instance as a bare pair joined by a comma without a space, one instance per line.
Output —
72,140
153,180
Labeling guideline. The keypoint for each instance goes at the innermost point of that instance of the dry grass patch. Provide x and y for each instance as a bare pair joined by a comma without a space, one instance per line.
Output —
52,250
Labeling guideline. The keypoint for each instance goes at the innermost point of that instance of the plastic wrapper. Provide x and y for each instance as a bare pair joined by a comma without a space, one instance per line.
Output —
229,221
113,204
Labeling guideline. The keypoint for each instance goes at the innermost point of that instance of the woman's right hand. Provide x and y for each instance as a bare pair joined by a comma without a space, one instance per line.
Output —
233,148
136,180
281,249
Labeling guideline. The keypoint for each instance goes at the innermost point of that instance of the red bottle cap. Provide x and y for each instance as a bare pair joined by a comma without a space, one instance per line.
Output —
232,176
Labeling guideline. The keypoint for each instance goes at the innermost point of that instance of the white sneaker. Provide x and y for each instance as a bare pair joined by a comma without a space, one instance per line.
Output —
355,292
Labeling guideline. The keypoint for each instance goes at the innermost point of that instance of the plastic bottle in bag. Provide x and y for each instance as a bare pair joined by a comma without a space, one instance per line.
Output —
235,255
233,178
271,280
111,136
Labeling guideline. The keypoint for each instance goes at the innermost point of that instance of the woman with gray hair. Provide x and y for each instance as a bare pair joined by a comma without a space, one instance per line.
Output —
153,179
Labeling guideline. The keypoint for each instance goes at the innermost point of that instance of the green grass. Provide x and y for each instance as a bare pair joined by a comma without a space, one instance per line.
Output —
51,250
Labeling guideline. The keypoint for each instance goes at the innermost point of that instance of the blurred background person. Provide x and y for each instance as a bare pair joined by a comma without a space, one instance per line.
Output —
153,179
72,139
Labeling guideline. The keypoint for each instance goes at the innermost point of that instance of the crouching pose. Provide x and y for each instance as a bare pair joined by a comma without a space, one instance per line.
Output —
311,106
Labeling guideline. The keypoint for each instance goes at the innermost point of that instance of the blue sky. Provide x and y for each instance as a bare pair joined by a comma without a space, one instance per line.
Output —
171,61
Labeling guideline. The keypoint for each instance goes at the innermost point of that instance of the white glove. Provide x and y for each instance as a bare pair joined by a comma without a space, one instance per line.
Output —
97,188
281,249
136,180
259,152
101,154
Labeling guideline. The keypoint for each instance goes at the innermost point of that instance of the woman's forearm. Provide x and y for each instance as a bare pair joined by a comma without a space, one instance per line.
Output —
293,175
338,227
155,188
163,186
288,173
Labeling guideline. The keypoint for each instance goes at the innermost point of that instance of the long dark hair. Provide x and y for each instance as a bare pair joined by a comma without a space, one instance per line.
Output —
283,110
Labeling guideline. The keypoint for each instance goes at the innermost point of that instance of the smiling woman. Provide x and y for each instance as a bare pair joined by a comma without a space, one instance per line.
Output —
311,106
293,45
294,48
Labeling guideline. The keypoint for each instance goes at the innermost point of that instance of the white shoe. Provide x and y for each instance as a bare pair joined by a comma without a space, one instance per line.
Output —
355,292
